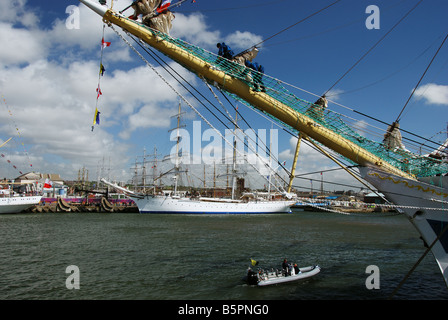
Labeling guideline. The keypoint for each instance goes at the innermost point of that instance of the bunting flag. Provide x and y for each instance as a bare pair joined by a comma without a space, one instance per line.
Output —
104,44
98,91
102,70
164,6
96,119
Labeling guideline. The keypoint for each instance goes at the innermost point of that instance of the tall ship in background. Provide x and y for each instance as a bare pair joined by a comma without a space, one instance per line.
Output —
180,202
415,184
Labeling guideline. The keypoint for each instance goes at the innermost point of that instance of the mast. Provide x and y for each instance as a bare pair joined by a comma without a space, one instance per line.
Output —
234,158
176,168
284,113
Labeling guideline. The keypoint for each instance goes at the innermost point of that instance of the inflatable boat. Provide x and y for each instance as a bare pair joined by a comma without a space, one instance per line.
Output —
266,278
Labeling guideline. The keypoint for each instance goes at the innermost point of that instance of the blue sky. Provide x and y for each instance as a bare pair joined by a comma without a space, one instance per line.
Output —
49,75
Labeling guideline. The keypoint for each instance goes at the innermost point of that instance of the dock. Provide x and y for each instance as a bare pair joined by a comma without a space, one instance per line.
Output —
102,204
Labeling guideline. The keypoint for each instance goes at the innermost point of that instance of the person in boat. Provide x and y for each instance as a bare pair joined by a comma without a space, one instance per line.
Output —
296,269
256,76
286,267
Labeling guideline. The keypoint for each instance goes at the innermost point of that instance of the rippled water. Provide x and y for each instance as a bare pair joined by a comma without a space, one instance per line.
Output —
134,256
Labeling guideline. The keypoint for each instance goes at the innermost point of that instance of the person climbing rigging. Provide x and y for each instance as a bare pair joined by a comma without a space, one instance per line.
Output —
317,109
256,76
225,51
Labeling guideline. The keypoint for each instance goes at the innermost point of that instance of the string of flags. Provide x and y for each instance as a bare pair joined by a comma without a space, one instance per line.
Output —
165,5
20,137
96,117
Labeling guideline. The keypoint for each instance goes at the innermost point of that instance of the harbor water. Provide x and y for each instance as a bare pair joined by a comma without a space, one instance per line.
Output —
124,256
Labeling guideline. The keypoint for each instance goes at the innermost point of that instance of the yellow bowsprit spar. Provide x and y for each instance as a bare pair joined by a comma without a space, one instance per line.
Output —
230,77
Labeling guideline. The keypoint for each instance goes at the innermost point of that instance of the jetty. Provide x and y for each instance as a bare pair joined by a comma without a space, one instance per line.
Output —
60,204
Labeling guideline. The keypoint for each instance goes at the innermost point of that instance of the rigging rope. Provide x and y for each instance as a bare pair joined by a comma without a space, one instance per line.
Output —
439,236
421,78
373,47
18,133
293,25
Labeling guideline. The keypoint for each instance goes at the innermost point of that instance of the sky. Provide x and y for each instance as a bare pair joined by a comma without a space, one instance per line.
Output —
49,67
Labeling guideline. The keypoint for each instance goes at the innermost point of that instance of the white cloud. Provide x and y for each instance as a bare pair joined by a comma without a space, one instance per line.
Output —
20,45
242,40
433,93
193,29
15,12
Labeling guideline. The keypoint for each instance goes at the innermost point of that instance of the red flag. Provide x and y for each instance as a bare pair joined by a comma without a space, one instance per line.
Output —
98,90
104,44
48,183
165,4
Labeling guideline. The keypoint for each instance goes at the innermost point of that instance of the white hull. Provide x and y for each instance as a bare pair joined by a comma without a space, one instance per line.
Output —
425,205
166,204
270,278
17,204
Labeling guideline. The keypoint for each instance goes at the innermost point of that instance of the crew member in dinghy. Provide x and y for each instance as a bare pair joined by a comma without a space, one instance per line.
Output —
286,267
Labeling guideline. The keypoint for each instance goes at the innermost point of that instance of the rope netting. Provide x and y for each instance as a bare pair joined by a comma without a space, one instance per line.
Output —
420,166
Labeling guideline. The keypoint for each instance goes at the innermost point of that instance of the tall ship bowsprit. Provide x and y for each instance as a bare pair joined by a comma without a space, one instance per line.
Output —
414,184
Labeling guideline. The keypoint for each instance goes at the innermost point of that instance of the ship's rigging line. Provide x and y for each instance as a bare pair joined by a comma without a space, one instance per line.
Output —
188,103
159,60
421,78
373,47
293,25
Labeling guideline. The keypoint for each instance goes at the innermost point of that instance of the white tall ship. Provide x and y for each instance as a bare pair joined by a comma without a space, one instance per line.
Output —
185,205
413,183
175,202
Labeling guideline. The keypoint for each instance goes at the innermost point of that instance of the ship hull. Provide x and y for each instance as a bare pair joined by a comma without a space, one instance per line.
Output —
162,204
17,204
425,205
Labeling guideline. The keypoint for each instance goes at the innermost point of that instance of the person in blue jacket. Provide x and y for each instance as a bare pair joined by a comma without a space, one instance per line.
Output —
225,51
257,76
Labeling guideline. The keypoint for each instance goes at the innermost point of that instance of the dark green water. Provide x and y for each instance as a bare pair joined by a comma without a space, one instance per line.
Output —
134,256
